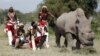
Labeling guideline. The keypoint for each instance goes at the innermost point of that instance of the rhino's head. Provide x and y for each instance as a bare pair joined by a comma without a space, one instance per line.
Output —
85,33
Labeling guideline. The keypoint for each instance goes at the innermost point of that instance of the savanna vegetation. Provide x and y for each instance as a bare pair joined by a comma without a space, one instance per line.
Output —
56,7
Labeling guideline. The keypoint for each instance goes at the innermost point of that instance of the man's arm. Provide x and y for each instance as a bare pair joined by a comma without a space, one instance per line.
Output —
39,30
51,14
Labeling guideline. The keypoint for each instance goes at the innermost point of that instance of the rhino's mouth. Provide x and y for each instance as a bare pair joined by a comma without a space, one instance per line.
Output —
86,39
90,43
87,42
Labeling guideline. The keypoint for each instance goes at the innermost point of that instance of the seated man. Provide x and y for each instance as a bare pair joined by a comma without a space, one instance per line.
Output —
20,40
37,34
31,34
42,25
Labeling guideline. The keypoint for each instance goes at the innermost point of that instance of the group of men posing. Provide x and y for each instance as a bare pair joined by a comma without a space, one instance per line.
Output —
37,33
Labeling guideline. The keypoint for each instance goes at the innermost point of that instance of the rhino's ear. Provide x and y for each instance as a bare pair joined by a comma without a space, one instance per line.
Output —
80,12
90,19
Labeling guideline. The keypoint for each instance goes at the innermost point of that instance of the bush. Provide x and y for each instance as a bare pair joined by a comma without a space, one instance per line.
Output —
51,31
96,25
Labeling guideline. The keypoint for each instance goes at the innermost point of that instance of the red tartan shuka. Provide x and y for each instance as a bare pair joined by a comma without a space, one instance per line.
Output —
11,17
41,26
10,27
43,23
37,40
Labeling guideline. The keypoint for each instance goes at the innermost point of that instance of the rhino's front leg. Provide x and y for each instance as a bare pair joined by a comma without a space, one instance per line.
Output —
58,36
69,39
65,42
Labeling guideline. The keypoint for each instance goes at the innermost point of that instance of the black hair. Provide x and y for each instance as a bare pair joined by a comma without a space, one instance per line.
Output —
32,23
44,10
11,9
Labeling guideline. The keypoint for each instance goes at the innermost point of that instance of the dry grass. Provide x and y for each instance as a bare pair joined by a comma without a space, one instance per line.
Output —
6,50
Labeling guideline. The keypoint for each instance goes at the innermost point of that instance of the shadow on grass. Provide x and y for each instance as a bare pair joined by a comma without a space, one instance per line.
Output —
86,50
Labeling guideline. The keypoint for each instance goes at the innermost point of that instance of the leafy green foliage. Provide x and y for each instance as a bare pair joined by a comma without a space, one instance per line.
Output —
2,15
96,25
23,17
57,7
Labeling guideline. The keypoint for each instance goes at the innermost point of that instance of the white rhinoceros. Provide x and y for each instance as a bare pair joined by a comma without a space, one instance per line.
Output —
74,25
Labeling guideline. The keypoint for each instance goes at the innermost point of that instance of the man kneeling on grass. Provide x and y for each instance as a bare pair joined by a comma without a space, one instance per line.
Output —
37,35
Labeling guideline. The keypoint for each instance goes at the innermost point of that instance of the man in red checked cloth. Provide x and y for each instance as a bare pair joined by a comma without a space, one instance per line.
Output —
37,34
10,26
43,17
42,36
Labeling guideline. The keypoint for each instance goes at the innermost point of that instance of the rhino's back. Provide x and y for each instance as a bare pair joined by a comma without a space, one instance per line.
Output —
67,21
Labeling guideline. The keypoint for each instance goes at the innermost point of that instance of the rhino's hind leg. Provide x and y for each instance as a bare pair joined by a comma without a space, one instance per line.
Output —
78,43
58,36
69,39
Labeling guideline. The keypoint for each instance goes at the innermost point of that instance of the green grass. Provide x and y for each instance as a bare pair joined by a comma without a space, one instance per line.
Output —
6,50
51,31
51,51
2,33
97,35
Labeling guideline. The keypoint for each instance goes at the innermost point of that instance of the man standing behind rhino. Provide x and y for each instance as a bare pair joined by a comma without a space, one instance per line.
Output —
74,25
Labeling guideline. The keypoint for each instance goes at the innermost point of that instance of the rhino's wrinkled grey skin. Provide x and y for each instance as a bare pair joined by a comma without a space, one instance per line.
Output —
74,25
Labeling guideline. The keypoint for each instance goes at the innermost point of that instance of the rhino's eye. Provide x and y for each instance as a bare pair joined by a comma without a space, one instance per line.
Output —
89,31
82,33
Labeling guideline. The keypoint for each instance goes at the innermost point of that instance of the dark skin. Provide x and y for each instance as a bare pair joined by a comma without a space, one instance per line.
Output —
44,11
33,31
11,11
20,31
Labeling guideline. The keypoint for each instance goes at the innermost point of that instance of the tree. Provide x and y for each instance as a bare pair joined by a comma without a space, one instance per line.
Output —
57,7
3,16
